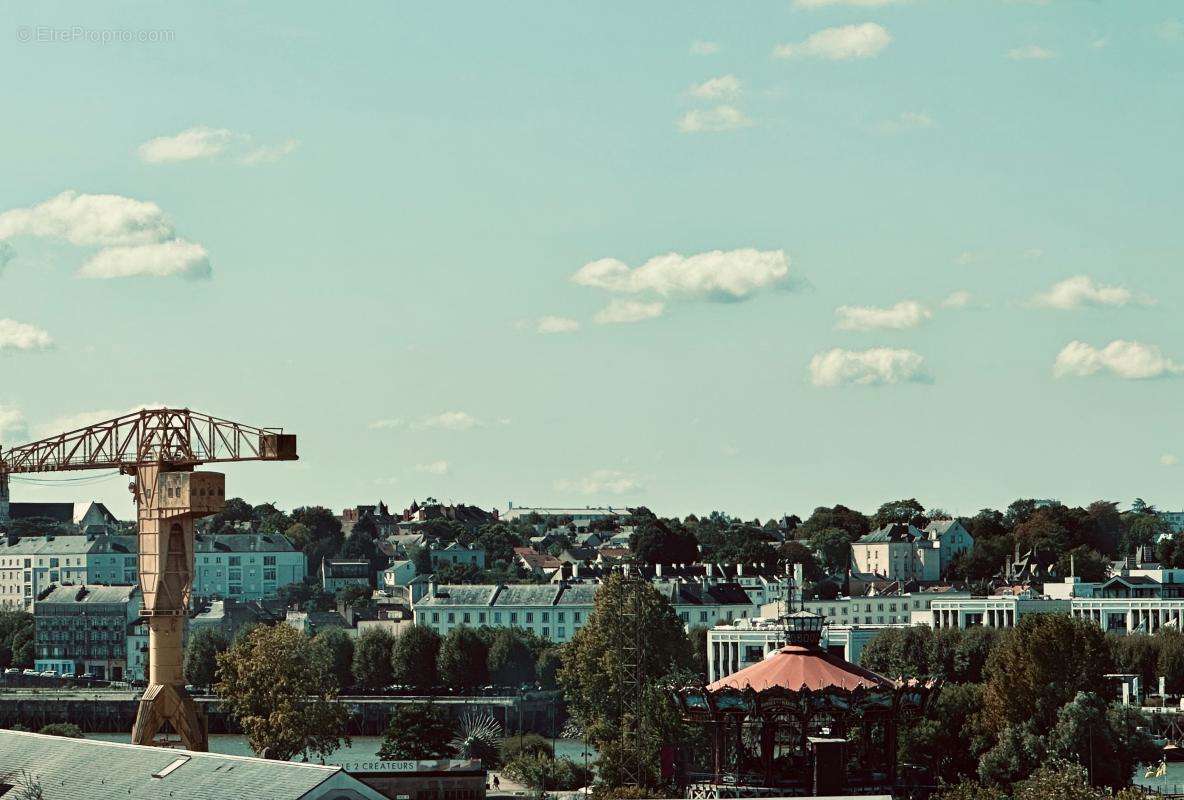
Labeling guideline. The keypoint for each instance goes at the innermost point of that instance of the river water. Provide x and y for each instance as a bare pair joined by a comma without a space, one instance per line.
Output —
362,748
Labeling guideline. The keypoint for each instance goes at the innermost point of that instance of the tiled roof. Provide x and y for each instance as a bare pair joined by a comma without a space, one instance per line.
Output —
81,769
244,543
460,595
898,532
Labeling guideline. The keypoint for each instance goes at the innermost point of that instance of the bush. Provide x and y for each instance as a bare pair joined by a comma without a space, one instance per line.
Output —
542,773
525,744
67,729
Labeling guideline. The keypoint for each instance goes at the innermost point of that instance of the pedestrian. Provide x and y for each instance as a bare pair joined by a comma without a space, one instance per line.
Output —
497,785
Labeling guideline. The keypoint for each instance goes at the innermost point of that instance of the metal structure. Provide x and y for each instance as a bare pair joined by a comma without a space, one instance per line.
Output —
160,448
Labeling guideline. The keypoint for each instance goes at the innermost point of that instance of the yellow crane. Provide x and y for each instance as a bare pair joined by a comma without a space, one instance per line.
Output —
160,449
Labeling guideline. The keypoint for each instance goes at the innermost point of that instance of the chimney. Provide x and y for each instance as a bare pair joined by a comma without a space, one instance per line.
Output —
739,570
658,570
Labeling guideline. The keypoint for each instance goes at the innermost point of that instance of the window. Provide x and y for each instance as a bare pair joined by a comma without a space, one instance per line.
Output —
481,618
546,633
529,617
269,574
435,616
560,633
702,616
497,617
513,617
575,616
451,617
467,618
546,617
235,561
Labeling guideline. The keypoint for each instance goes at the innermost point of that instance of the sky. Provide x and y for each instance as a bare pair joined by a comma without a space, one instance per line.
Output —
757,257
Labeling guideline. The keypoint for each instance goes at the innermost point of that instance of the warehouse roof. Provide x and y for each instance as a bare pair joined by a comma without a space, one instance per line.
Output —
80,769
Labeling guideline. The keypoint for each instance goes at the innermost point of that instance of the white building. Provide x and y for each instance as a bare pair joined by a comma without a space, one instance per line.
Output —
90,629
952,540
731,648
1173,518
552,611
399,572
456,553
581,517
337,573
245,566
898,552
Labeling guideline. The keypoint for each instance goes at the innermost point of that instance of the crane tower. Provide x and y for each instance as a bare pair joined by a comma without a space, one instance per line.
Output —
160,449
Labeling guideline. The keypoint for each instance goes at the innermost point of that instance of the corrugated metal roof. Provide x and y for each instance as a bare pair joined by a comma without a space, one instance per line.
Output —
81,769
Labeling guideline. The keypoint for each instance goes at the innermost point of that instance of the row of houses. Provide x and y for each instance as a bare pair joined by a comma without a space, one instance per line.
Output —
701,595
247,566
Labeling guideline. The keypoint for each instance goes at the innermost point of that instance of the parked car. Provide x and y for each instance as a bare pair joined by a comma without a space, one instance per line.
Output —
31,673
49,673
12,671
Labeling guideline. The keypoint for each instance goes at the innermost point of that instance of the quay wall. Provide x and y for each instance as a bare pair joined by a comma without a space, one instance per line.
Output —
536,712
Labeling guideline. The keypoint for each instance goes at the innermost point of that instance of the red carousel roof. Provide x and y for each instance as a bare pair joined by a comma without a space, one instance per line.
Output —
794,667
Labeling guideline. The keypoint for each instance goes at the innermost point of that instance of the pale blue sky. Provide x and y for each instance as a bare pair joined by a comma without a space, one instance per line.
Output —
432,176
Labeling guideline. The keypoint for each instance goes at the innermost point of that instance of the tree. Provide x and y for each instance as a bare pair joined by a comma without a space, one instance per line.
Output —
908,512
16,639
1084,562
1015,755
1170,662
414,659
335,648
463,659
854,523
596,675
201,655
657,541
900,652
324,534
372,659
498,541
834,547
1029,676
511,658
281,694
547,667
416,732
1110,743
361,546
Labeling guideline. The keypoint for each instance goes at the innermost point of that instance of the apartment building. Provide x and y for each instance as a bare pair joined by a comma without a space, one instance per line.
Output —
552,611
245,566
90,629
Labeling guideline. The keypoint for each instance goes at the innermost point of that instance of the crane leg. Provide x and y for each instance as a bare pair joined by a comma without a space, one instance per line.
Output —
168,504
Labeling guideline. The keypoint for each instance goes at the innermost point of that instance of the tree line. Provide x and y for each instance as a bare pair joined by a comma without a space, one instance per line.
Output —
1014,700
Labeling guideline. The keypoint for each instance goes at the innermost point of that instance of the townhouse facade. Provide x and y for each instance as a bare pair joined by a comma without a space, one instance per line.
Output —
456,553
904,552
94,630
244,566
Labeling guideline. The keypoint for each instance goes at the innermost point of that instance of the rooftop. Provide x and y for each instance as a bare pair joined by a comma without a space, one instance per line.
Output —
81,769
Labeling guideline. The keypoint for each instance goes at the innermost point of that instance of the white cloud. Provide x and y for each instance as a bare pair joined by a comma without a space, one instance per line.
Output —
550,324
1170,30
713,120
207,143
906,121
968,257
602,481
434,467
957,299
877,365
86,220
903,315
1082,291
446,420
1100,42
620,310
267,154
1123,359
701,48
450,421
1033,253
66,423
13,427
1030,52
195,143
1169,460
852,3
839,44
138,239
22,336
718,88
718,274
161,260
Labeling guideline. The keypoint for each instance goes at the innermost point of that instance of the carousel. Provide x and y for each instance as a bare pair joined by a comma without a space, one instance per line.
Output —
801,722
